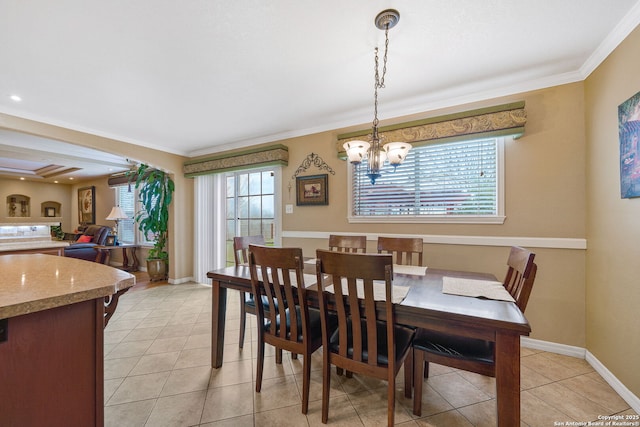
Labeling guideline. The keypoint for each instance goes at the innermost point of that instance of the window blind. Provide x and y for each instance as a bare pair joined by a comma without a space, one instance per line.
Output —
126,227
455,178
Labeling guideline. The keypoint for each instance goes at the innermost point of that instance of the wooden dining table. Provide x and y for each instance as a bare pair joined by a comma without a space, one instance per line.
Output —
425,306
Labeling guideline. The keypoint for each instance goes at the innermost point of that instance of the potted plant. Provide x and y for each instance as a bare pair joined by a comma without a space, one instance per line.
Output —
56,232
155,189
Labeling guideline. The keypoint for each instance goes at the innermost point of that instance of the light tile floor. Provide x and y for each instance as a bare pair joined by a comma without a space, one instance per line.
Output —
158,373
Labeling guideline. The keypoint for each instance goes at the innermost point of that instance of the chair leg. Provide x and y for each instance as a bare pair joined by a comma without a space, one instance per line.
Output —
279,356
418,378
243,320
260,363
326,385
391,399
408,374
306,379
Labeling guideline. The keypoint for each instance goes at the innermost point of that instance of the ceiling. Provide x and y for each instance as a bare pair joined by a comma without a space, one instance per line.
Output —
204,76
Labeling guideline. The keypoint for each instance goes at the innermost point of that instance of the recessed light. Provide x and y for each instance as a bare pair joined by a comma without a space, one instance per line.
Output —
15,98
55,182
22,178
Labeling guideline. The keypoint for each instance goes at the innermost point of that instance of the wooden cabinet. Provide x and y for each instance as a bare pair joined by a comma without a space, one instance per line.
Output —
51,369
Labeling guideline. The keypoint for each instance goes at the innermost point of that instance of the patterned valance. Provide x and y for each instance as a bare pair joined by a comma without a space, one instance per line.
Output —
501,120
264,156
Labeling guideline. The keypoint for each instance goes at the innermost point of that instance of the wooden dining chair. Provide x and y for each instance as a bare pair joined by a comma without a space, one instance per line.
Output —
241,256
277,273
470,354
362,344
405,250
348,243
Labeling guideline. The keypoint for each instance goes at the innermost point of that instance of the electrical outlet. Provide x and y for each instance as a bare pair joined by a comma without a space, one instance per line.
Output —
288,209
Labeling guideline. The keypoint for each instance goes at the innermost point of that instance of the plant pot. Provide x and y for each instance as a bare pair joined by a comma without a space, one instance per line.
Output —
157,269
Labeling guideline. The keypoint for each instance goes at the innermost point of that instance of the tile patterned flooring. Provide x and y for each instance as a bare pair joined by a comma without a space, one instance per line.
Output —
158,373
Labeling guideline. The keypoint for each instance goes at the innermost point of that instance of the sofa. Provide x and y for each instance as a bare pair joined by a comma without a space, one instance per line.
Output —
83,246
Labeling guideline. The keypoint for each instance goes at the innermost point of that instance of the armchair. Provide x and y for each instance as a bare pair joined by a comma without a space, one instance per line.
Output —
83,247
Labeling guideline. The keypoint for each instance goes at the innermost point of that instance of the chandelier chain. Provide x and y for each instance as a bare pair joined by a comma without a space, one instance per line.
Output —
379,80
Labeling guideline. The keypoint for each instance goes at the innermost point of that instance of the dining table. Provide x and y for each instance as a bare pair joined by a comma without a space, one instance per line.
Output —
425,306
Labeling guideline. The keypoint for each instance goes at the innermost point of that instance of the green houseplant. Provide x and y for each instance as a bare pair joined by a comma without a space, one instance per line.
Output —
155,191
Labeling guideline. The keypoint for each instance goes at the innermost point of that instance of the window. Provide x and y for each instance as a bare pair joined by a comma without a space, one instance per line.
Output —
126,227
250,206
445,182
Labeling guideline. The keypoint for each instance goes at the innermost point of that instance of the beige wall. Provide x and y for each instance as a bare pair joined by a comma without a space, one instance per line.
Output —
545,198
613,286
38,194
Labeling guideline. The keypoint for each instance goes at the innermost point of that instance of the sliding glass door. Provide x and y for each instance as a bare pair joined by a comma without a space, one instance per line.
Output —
250,206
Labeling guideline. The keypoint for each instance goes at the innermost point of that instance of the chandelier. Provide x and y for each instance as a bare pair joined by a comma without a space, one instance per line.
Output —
373,151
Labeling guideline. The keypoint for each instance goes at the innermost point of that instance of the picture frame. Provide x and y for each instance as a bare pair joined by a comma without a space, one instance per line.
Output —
49,212
312,190
629,136
111,241
87,205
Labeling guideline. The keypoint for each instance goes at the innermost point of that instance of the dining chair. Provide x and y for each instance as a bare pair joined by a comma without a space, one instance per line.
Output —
405,250
277,273
241,256
470,354
347,243
362,343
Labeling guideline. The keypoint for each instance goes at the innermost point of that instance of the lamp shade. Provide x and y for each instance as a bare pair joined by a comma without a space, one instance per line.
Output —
356,150
116,214
396,152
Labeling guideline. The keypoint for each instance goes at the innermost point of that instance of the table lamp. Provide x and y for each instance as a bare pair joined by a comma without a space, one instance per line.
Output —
115,215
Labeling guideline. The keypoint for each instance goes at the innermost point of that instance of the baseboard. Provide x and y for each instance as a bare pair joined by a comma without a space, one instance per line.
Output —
581,353
614,382
181,280
552,347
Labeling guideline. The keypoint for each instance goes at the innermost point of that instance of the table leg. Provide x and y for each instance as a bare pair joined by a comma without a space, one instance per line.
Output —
135,265
218,312
125,259
508,379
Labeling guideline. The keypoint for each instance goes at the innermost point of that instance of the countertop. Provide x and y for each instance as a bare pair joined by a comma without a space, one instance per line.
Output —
23,246
35,282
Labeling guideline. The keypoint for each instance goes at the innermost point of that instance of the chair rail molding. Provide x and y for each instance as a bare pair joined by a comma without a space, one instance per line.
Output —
531,242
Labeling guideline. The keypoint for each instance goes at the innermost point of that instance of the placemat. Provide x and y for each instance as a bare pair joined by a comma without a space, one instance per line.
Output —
475,288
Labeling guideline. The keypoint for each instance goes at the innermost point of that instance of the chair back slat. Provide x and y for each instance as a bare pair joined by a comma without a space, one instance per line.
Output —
353,244
241,247
520,275
357,271
405,250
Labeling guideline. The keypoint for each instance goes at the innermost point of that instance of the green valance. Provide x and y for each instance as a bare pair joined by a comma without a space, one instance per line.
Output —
234,160
500,120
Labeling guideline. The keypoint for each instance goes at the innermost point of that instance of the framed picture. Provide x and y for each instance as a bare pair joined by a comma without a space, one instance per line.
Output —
312,190
629,135
87,205
111,241
49,212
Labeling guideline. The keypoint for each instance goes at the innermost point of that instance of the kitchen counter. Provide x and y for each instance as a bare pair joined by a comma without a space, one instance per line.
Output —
52,316
29,246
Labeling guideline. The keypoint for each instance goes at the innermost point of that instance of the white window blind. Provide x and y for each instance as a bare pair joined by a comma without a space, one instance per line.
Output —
458,180
126,227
